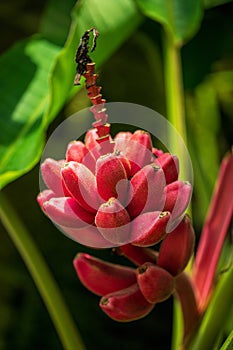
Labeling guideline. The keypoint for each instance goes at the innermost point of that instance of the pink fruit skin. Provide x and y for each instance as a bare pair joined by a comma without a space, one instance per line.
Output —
126,305
155,283
177,247
149,228
102,277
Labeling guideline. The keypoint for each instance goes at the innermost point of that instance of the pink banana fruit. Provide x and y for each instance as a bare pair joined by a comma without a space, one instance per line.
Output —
113,221
155,283
177,247
109,172
138,150
80,182
147,187
149,228
102,277
126,305
170,166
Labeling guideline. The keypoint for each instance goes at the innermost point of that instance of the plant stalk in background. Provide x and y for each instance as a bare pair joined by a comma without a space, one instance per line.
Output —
42,277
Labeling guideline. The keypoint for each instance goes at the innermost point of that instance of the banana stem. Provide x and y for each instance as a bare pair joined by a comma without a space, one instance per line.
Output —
174,95
185,294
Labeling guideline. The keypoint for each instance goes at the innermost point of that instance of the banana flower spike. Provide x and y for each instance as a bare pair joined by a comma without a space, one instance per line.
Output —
213,233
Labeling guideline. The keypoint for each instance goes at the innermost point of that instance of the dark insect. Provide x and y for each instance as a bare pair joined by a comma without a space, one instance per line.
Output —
82,57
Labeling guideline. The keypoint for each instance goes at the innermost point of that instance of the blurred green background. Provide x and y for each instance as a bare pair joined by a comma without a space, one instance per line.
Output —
133,74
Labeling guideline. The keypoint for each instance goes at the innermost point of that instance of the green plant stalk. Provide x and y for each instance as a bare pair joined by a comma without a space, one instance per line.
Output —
42,277
215,315
228,344
176,116
174,95
177,325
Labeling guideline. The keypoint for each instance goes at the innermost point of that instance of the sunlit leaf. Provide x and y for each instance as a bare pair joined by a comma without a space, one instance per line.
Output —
56,20
24,90
180,17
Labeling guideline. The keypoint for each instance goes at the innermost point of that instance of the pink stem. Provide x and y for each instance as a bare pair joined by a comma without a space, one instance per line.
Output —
185,293
98,109
213,233
138,255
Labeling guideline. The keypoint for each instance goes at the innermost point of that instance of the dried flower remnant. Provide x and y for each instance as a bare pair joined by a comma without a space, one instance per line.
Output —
82,57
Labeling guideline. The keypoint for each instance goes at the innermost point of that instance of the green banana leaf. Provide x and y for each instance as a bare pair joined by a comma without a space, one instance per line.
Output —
181,18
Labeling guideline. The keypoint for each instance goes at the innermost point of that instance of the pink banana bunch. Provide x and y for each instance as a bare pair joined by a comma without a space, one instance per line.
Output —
129,294
117,192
